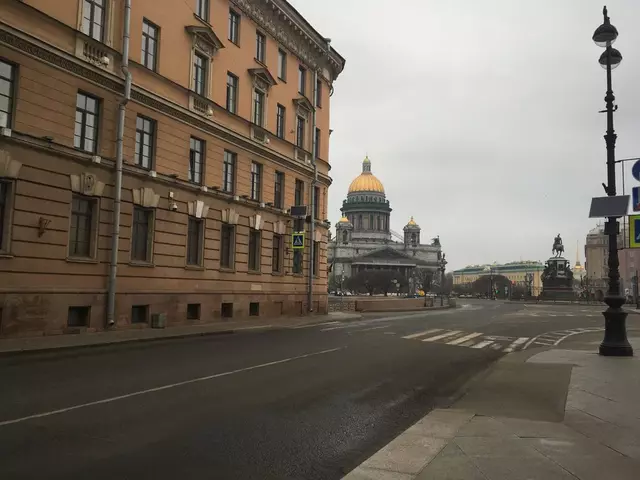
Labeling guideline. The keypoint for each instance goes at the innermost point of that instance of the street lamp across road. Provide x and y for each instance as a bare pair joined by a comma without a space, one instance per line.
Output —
615,341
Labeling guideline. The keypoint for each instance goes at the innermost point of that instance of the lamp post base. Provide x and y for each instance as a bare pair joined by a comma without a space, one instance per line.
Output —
615,343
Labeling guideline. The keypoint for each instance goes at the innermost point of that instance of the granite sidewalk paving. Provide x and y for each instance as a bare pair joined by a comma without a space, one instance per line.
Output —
561,414
14,346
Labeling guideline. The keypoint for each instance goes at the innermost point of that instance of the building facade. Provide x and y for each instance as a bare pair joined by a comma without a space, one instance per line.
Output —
596,275
518,273
364,238
218,128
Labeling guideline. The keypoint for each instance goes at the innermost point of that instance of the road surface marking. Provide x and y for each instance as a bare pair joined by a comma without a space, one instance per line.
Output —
341,327
314,325
373,328
421,334
486,343
165,387
504,339
515,344
460,340
444,335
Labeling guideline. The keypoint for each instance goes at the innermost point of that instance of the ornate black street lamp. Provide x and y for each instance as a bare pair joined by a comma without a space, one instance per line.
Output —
442,267
615,341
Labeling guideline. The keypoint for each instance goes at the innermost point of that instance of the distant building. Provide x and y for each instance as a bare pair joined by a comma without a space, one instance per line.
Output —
363,238
597,255
514,271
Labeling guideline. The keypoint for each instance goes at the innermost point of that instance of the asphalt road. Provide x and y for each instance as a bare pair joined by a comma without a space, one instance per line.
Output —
305,403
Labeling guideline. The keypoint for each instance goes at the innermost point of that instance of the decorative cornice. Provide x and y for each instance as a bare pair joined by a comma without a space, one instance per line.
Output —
87,184
65,63
256,221
9,167
208,35
289,28
145,197
198,209
263,75
230,216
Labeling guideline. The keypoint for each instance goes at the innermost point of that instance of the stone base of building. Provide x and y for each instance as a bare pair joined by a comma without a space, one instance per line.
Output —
37,314
566,294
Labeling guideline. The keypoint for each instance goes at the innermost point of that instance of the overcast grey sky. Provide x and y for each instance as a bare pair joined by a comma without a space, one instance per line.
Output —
480,116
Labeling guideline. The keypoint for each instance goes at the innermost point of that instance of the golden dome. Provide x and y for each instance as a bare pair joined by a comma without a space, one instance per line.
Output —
412,223
366,181
343,220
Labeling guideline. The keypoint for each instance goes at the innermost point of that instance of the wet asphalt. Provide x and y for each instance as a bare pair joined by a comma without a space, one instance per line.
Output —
307,403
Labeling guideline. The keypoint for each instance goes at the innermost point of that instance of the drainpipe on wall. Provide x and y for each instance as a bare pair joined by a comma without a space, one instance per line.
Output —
117,198
312,225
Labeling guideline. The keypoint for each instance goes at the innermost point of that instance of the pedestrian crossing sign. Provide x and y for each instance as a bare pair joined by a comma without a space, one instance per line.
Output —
297,240
634,231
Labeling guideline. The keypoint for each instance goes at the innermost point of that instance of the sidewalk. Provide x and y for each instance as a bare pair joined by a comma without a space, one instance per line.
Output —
13,346
562,414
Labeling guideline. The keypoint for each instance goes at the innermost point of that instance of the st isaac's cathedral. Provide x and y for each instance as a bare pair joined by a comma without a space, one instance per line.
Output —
365,241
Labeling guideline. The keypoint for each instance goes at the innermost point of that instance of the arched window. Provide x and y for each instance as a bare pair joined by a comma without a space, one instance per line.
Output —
370,222
359,222
345,236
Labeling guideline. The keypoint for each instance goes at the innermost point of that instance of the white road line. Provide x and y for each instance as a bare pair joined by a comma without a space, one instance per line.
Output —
460,340
373,328
444,335
341,327
515,344
164,387
421,334
314,325
486,343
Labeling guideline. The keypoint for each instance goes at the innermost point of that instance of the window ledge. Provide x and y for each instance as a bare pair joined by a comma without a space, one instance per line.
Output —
82,260
5,254
202,20
277,274
227,270
254,272
262,64
194,267
134,263
301,275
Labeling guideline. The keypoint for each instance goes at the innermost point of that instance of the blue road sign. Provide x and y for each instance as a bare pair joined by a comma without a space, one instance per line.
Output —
636,199
635,170
297,240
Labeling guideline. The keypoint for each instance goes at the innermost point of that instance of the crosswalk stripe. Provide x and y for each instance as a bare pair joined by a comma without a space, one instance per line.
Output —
460,340
515,343
421,334
486,343
444,335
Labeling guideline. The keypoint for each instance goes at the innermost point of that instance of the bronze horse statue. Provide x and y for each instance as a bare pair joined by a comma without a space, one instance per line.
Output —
558,247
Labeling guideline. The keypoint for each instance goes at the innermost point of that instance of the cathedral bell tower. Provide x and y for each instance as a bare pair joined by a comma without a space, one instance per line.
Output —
411,234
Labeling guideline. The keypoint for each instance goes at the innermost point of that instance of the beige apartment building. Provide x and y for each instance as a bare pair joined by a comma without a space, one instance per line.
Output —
160,183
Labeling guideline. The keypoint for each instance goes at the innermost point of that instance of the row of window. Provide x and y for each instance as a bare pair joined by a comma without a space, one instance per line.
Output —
259,107
80,317
83,230
93,21
86,134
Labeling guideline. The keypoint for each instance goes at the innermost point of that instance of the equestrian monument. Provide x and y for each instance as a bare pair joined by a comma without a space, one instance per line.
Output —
557,278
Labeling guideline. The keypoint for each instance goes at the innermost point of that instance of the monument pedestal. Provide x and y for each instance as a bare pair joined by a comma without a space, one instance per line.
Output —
557,280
